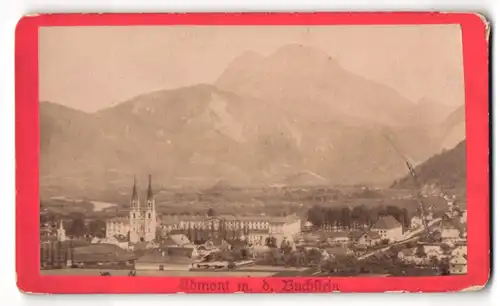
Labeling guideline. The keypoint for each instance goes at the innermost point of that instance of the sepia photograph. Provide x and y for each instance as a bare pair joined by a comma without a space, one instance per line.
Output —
252,151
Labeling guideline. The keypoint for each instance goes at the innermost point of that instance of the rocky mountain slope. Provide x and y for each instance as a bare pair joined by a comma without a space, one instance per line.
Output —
446,170
294,116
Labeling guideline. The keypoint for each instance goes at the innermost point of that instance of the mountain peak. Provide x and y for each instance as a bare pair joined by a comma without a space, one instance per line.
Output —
246,60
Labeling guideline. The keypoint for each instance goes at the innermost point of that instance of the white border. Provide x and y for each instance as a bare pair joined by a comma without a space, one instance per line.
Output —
12,10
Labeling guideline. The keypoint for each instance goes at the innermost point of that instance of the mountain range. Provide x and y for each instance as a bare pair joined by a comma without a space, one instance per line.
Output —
292,117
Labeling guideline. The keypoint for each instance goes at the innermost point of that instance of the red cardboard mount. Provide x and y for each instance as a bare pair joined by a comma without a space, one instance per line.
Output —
475,60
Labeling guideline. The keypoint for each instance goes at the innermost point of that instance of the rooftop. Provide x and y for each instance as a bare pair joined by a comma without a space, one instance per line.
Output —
340,234
102,253
408,252
458,260
372,235
174,219
339,251
157,257
386,222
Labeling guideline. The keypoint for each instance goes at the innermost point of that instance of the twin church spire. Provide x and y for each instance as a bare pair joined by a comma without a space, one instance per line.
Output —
135,195
142,219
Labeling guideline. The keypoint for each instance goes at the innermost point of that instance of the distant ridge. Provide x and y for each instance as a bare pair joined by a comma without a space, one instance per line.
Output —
445,170
306,178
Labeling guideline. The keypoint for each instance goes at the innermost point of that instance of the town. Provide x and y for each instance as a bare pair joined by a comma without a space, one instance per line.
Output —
316,240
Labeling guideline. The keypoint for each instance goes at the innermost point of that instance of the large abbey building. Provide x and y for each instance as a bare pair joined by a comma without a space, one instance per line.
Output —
142,223
142,219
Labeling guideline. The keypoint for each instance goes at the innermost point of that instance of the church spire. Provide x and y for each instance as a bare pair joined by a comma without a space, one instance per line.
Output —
135,196
150,190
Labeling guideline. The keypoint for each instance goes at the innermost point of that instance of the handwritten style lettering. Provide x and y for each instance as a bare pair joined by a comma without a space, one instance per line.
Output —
191,285
309,286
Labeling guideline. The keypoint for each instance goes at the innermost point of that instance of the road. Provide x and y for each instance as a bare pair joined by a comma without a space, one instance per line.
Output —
409,236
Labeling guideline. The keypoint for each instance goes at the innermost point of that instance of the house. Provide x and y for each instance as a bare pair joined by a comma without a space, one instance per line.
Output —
459,251
409,256
369,238
359,250
312,237
117,240
339,252
122,242
463,217
257,236
308,226
161,261
450,234
388,228
188,252
179,240
355,235
168,242
433,250
217,243
337,238
458,265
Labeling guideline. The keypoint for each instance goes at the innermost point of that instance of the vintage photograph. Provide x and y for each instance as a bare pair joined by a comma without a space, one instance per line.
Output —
254,151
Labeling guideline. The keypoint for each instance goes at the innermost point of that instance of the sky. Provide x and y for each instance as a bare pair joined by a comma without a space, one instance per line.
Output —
90,68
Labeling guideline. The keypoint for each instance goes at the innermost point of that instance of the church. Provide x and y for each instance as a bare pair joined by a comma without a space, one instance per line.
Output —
141,222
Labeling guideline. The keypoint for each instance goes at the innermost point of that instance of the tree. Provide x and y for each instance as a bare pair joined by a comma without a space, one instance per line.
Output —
316,216
394,211
435,261
446,248
435,236
420,252
404,218
375,213
411,244
394,250
43,219
444,266
360,215
271,242
345,217
211,212
285,247
332,216
97,228
244,253
313,256
196,234
77,228
190,233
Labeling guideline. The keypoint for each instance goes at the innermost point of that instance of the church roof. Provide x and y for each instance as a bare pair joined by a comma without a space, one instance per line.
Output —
150,189
135,196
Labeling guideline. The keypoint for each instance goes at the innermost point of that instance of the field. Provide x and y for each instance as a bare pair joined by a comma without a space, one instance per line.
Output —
241,201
